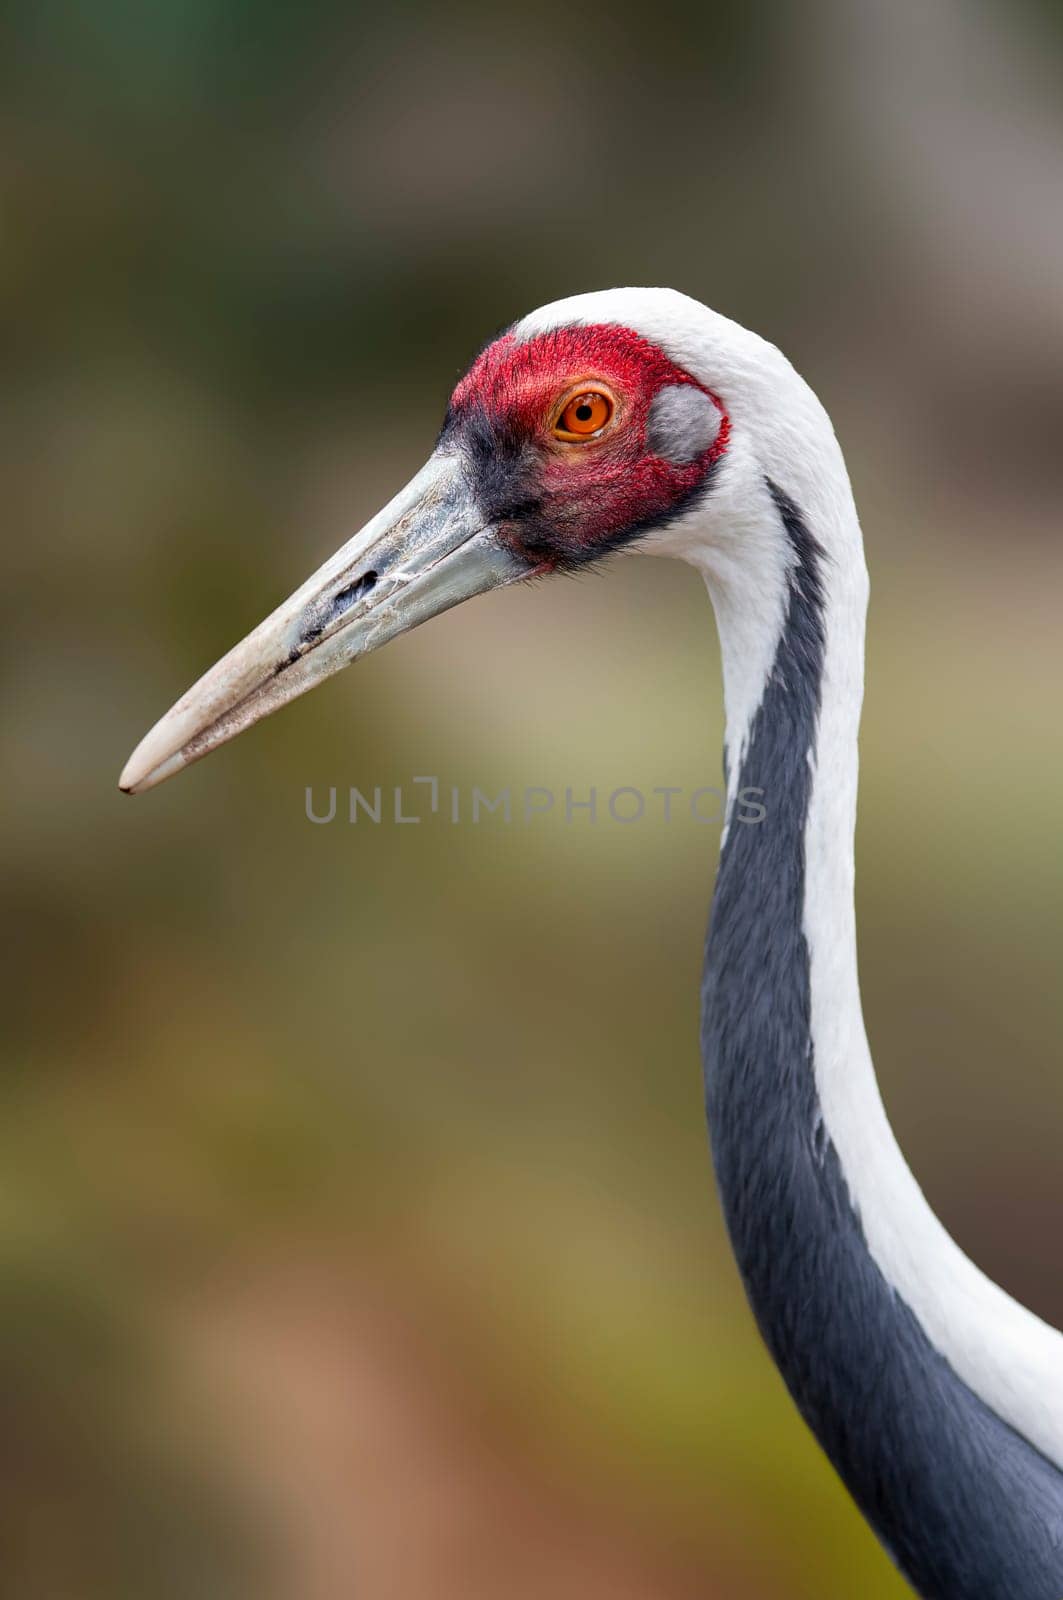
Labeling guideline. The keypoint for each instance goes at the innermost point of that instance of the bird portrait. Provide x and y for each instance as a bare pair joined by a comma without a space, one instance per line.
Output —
637,422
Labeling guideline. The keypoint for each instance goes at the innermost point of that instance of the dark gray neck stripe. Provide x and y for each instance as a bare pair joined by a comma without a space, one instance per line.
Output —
968,1509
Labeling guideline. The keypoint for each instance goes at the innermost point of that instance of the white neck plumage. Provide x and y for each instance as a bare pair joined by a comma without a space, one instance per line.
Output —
1006,1355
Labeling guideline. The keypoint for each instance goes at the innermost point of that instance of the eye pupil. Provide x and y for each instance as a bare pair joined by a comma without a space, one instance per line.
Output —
584,412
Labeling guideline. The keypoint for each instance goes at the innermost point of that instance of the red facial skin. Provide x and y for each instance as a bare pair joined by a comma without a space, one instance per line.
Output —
560,503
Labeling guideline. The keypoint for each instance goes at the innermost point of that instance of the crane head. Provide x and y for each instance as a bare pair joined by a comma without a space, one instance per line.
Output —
568,438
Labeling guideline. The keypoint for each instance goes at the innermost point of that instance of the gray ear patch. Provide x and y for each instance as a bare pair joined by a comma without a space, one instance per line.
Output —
682,423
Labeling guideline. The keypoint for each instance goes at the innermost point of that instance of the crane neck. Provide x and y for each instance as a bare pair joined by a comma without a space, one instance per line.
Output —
937,1397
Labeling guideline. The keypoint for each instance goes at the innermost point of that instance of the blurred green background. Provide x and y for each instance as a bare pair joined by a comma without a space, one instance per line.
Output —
358,1233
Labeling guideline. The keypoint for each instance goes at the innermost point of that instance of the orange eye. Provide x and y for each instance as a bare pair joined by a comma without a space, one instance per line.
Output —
584,414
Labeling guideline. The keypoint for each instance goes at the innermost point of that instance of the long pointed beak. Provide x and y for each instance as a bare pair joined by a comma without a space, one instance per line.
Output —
428,550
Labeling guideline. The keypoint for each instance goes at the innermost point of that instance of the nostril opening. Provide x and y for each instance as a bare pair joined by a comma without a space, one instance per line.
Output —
340,603
346,598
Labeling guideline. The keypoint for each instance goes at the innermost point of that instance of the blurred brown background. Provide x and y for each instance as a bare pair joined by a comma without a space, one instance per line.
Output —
358,1233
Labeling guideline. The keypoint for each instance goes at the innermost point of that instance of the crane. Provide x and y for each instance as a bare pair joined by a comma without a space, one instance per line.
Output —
637,420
